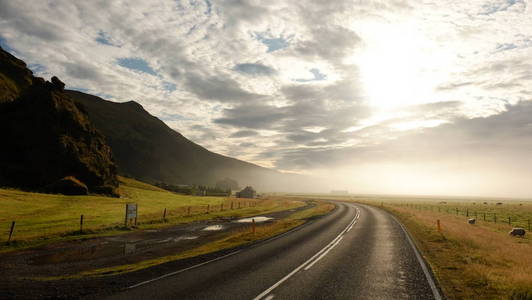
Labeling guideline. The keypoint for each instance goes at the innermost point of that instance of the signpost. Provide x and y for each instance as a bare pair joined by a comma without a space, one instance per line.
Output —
131,213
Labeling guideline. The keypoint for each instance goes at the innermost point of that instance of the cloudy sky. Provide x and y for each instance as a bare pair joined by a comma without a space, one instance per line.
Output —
414,97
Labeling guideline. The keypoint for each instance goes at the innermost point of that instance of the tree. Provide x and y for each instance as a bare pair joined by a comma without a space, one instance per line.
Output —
227,184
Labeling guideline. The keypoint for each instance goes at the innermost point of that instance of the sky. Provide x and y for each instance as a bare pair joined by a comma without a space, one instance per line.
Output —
386,97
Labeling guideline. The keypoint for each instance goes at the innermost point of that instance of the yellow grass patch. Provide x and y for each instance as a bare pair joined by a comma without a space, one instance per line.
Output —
471,261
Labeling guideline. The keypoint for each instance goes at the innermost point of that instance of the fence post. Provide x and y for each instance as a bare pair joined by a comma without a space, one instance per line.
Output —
238,204
125,218
484,216
164,215
81,224
467,212
509,220
439,227
208,208
11,232
494,217
253,225
137,214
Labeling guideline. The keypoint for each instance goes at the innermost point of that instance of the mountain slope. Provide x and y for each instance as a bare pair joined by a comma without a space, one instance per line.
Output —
146,148
48,138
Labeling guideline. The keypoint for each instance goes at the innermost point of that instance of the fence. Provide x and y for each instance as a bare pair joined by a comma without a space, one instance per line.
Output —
498,217
27,229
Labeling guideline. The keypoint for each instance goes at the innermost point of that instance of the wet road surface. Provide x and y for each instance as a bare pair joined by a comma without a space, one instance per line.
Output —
356,252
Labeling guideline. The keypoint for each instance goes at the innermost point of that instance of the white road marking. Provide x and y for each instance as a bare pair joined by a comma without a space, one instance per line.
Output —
182,270
310,260
323,254
270,297
207,262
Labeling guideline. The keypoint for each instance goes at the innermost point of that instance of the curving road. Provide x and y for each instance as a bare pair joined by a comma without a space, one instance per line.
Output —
356,252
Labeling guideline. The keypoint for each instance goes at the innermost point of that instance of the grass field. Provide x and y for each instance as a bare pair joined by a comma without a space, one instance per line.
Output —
43,218
478,261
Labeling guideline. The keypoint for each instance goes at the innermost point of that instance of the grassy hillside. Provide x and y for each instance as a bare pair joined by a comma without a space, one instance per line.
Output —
50,217
146,148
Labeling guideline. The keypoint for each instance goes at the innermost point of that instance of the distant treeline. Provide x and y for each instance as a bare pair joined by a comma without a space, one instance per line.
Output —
195,190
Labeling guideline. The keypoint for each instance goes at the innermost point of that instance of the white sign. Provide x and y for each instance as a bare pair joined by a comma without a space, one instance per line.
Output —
131,210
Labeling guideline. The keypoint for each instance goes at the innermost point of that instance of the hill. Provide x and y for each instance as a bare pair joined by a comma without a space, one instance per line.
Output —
147,149
49,143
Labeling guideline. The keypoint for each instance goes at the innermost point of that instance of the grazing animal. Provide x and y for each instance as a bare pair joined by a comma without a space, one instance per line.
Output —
471,221
486,203
517,232
499,203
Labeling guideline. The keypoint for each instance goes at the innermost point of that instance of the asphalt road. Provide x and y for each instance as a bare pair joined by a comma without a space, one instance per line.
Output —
356,252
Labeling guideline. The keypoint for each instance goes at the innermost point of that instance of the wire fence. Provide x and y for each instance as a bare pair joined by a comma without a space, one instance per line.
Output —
87,222
495,216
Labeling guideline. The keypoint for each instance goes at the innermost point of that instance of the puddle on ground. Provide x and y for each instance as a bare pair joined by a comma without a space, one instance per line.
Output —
257,219
213,228
104,249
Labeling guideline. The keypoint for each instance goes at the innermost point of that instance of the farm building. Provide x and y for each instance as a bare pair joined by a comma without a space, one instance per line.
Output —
247,192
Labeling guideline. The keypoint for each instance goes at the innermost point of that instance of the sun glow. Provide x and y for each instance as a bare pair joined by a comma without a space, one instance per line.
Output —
399,65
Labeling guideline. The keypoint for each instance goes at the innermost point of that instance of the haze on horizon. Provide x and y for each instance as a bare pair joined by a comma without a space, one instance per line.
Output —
383,97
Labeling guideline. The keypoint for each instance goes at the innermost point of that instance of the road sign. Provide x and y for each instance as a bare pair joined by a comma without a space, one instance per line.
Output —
131,212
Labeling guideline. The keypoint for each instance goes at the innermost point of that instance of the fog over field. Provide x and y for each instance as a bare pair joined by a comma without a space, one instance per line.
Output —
395,97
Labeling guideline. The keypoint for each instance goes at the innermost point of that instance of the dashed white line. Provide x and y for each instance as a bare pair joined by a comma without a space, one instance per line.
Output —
311,260
270,297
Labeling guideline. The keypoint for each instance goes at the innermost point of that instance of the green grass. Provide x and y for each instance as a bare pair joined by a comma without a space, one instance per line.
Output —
44,218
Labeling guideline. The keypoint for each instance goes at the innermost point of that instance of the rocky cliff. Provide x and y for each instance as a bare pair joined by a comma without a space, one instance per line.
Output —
48,142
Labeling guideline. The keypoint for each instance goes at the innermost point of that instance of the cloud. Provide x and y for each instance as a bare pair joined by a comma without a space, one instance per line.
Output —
82,72
244,133
256,116
254,69
309,87
454,85
330,43
218,88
